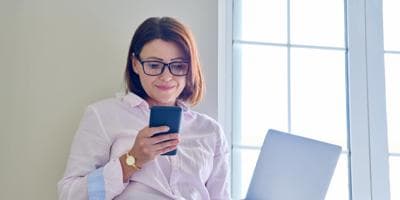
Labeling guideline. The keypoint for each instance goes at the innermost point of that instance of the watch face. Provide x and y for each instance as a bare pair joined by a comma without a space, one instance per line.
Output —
130,160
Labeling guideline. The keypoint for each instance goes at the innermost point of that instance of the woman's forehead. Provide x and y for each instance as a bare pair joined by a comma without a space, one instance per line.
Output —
161,49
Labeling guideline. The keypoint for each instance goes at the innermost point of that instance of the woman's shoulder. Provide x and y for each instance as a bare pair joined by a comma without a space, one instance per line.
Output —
204,120
107,104
204,123
203,116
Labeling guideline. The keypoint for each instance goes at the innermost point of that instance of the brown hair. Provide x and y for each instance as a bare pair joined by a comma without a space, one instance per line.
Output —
171,30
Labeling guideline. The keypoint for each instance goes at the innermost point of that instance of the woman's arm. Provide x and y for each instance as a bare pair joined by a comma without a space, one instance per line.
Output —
89,173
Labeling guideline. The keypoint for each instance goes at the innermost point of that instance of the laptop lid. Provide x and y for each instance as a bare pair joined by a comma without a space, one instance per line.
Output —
292,167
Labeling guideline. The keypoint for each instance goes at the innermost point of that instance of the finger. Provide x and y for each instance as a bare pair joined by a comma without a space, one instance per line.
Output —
150,131
164,137
167,149
166,144
160,129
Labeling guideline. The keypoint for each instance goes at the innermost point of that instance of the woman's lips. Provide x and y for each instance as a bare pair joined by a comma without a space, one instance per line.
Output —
165,87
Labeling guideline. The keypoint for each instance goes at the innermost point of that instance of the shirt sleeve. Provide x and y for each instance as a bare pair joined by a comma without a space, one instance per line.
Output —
90,174
218,184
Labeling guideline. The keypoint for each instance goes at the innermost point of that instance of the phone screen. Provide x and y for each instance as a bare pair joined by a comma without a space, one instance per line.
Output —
166,116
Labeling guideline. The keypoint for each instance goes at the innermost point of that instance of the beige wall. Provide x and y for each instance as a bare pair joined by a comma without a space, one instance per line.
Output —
57,57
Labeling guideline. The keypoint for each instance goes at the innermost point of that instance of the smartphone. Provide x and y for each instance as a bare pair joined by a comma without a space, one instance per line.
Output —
166,116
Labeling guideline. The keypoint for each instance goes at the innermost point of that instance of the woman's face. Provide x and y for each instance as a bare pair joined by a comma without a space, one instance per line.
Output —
165,88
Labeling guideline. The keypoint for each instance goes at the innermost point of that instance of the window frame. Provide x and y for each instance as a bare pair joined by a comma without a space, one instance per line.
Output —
367,106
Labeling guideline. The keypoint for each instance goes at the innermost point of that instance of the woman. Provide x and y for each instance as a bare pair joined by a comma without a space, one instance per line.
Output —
113,154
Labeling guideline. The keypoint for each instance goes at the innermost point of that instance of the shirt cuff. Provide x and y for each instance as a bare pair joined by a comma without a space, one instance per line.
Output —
106,182
96,190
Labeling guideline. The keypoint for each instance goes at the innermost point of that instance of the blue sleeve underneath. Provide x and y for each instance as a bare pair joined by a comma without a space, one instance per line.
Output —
96,190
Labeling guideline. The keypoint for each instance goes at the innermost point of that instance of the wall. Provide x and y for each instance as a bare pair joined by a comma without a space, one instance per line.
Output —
59,56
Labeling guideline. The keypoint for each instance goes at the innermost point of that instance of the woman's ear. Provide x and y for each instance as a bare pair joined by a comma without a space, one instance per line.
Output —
135,65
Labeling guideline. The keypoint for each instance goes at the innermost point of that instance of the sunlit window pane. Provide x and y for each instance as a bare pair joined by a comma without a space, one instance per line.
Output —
244,172
316,22
261,20
394,177
391,16
318,95
264,102
392,76
339,186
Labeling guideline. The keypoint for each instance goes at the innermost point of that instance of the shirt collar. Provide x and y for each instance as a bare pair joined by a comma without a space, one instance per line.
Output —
183,105
133,100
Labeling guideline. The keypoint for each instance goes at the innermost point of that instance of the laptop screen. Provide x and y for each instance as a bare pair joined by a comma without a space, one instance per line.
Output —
292,167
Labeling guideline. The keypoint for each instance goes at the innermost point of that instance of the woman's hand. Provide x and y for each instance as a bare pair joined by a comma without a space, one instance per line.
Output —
147,148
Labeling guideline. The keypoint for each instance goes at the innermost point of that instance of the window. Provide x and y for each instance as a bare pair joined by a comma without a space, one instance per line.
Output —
289,75
313,68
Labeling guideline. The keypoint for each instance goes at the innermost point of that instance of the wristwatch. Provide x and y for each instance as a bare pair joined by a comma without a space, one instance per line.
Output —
131,161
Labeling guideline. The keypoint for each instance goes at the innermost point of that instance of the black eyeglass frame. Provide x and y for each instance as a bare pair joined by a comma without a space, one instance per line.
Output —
164,65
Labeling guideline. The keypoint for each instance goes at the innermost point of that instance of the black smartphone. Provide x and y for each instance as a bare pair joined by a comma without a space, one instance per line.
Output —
166,116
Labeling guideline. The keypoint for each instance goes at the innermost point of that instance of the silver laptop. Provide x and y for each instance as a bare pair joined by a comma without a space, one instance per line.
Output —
291,167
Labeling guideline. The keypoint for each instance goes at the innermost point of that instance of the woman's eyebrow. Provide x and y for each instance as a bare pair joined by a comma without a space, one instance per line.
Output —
178,58
154,58
160,59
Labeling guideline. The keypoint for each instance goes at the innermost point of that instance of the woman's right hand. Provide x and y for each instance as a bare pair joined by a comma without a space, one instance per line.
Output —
147,148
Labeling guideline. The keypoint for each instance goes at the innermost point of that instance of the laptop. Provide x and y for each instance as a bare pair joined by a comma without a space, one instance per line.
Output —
292,167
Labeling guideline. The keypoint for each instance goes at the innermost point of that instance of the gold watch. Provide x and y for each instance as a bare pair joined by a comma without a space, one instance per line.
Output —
131,161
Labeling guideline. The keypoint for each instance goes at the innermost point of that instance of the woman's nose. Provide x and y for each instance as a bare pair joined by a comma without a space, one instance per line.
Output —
166,74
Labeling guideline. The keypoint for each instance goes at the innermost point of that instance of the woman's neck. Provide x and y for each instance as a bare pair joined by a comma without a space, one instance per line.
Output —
152,102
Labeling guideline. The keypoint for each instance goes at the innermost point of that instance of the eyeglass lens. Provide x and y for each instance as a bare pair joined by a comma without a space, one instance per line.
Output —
156,68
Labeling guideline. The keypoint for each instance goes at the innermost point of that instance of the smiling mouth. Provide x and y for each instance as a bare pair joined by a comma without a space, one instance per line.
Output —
164,87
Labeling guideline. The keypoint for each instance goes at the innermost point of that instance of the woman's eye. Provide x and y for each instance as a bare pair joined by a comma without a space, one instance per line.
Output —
154,65
180,65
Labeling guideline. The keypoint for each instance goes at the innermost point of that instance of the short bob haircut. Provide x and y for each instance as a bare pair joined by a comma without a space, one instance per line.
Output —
170,30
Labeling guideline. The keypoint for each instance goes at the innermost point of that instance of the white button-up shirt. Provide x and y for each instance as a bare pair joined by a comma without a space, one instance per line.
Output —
200,170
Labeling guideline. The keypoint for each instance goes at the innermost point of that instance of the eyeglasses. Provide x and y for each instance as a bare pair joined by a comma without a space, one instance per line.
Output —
155,68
